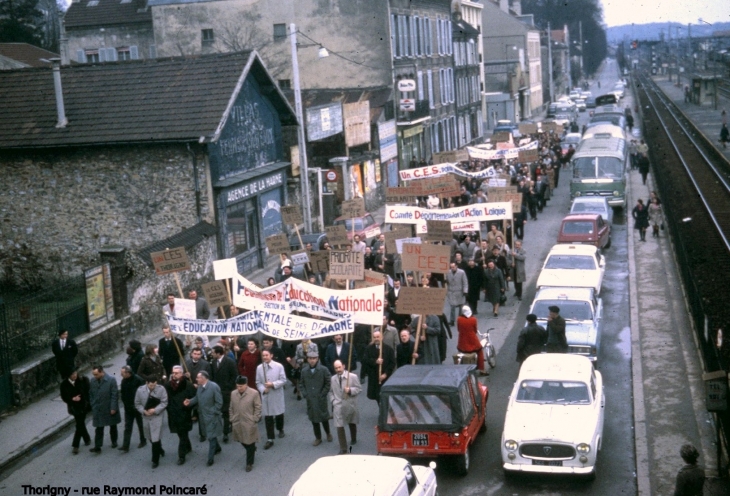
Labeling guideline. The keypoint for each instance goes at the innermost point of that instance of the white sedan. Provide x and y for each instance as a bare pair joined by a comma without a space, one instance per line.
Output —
554,421
573,266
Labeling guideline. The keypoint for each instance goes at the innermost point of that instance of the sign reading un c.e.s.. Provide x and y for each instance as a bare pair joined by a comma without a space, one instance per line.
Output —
169,261
426,258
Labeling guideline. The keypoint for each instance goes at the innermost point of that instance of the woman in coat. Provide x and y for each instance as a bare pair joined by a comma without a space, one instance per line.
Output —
151,365
150,401
179,388
468,342
495,285
655,216
641,218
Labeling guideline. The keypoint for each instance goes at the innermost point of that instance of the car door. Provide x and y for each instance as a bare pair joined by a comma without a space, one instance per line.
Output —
598,322
602,230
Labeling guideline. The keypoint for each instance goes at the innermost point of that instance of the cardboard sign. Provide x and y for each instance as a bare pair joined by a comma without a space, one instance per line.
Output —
291,214
426,258
225,268
501,138
372,232
392,236
400,242
216,294
277,244
347,265
320,261
402,193
528,128
337,235
438,230
445,186
526,156
421,301
371,278
353,208
169,261
551,127
185,309
299,257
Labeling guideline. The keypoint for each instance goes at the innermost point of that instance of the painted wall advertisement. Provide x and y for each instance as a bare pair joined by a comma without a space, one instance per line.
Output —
99,298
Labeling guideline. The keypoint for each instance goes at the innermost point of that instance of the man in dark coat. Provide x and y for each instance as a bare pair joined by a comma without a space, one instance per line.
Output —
202,309
315,384
168,351
339,350
475,278
556,341
224,374
75,393
377,369
278,355
130,383
691,477
104,395
179,388
65,350
134,355
531,340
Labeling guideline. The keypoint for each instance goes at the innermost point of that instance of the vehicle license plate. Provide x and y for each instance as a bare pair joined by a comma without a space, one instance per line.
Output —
548,463
419,440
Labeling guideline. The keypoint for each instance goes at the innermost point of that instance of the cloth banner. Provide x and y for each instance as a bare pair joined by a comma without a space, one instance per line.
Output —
487,154
465,218
279,325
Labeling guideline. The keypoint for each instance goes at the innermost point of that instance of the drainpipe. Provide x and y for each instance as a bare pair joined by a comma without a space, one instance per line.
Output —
62,120
196,181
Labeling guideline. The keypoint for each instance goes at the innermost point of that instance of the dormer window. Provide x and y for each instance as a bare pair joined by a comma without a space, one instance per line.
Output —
92,3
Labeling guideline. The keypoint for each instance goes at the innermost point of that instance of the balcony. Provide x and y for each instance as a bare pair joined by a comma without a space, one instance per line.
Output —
421,113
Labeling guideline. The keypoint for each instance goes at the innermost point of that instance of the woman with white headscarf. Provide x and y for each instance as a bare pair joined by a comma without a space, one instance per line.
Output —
468,342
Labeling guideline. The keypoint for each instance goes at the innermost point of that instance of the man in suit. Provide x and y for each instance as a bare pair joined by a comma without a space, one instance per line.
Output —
339,350
104,394
75,393
270,381
65,350
209,400
224,374
345,388
167,350
245,414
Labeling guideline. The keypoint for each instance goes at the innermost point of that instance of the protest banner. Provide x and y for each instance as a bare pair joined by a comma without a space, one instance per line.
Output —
399,214
489,152
277,244
347,265
215,294
337,235
501,137
225,268
399,243
371,232
353,208
169,261
185,309
426,258
421,301
320,261
438,230
553,127
392,236
403,194
291,214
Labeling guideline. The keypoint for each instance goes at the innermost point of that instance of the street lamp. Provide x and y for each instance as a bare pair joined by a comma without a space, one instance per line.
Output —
301,138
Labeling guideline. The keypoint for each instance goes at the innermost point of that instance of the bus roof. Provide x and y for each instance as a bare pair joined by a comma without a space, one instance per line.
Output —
601,146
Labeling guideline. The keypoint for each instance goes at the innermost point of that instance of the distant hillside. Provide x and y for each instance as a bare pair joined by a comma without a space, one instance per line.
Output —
653,31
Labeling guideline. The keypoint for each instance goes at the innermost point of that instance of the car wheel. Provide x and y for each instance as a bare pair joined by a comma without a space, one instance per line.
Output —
608,245
462,462
492,358
483,427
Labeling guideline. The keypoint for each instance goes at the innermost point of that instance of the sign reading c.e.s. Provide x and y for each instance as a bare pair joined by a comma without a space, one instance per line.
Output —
426,258
169,261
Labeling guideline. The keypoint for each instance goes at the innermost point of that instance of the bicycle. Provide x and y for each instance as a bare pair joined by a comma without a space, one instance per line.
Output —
490,354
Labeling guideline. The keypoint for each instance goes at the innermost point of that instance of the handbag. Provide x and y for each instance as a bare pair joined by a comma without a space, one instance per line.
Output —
502,299
661,226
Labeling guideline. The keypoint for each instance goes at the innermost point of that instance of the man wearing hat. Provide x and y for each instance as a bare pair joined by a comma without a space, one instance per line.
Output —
245,413
270,381
531,340
556,341
315,383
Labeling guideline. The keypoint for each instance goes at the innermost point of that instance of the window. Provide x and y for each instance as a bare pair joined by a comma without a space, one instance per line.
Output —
421,36
107,54
285,84
207,37
153,51
394,35
92,56
279,31
450,77
413,38
92,3
128,53
419,409
241,226
439,41
428,40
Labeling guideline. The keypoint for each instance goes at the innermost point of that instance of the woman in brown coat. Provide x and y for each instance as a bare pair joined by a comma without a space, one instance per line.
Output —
151,365
245,413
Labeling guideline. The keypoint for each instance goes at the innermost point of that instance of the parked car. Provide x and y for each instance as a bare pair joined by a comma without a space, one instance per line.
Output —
430,411
364,226
590,102
583,314
580,105
585,229
562,119
365,474
513,129
317,239
594,205
555,416
574,95
574,266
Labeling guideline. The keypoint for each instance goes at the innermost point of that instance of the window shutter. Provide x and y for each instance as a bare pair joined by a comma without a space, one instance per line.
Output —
419,82
394,35
431,102
80,56
153,51
111,54
133,52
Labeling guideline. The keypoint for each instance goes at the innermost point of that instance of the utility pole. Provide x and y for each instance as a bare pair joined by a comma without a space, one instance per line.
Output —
580,34
550,62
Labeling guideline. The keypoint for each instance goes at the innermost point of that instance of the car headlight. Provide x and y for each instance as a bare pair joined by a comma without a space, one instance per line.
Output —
616,193
510,445
577,193
583,448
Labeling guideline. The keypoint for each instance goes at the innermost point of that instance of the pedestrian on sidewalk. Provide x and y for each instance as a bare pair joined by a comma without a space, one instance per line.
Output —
104,395
691,477
151,401
724,135
641,218
656,219
75,393
643,167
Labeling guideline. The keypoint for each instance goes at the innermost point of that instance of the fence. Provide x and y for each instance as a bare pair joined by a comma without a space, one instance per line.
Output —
29,323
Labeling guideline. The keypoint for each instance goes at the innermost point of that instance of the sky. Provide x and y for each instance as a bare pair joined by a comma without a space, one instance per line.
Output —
618,12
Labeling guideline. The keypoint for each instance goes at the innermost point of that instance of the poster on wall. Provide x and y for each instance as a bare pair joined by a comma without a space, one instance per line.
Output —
270,203
370,182
356,180
98,293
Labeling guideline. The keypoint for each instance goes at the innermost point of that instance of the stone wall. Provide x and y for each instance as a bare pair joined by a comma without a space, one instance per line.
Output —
59,207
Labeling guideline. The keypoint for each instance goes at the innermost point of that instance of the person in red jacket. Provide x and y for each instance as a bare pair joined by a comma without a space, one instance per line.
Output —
468,342
250,359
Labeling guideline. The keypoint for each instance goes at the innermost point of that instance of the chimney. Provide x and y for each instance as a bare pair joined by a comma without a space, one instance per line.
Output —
62,121
504,6
63,41
517,7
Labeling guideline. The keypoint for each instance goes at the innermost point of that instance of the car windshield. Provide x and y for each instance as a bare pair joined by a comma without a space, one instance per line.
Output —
580,207
578,227
348,224
558,392
569,309
571,262
607,167
419,409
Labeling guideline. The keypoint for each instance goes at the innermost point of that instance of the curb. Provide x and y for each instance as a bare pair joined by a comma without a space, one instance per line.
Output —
41,440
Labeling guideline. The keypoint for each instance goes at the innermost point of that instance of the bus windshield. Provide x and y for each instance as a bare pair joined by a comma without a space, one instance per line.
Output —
607,167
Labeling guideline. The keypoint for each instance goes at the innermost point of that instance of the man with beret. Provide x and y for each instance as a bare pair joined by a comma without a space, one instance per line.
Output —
314,384
245,413
531,340
556,341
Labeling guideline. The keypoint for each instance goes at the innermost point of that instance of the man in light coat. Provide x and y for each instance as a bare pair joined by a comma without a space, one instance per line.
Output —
209,400
457,288
314,383
345,389
245,413
104,394
518,263
150,401
270,381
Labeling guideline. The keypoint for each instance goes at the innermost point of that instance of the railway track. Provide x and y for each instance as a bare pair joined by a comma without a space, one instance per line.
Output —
694,183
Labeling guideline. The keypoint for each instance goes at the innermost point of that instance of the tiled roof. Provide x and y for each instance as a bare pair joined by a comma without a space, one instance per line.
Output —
107,12
178,99
188,238
27,54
